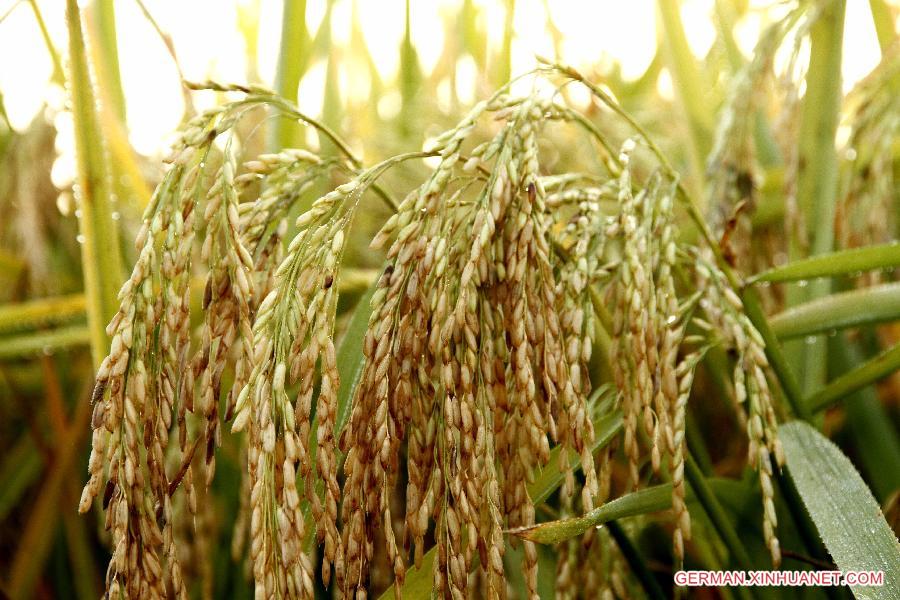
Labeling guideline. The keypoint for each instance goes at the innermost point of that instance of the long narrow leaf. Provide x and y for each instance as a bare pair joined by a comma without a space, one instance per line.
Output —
865,306
867,373
38,313
641,502
18,346
832,264
846,515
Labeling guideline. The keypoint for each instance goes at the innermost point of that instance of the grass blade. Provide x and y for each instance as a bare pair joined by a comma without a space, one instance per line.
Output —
862,376
44,341
839,311
848,518
32,314
832,264
640,502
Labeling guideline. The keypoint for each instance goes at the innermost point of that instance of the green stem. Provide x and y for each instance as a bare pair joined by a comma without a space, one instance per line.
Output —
103,18
48,42
716,514
689,86
873,431
635,561
332,110
101,261
726,19
293,58
817,178
698,445
504,61
883,17
410,77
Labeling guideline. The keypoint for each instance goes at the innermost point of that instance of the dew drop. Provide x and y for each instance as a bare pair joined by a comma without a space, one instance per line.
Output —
810,340
803,283
116,216
79,238
77,213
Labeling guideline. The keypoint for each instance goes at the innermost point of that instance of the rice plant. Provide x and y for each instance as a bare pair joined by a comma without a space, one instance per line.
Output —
570,365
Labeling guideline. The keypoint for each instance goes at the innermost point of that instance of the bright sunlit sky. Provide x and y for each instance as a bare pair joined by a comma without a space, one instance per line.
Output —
209,44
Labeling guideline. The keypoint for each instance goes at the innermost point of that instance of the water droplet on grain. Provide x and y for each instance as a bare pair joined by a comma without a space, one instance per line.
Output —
803,283
810,339
79,238
115,215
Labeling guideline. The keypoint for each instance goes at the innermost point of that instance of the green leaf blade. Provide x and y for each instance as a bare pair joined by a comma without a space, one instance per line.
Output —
832,264
843,509
877,304
647,500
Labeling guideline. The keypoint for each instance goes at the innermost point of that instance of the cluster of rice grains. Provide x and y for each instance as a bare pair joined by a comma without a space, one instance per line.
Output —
475,355
155,382
475,361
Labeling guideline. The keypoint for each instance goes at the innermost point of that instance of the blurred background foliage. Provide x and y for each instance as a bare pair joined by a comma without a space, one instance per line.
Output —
386,75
